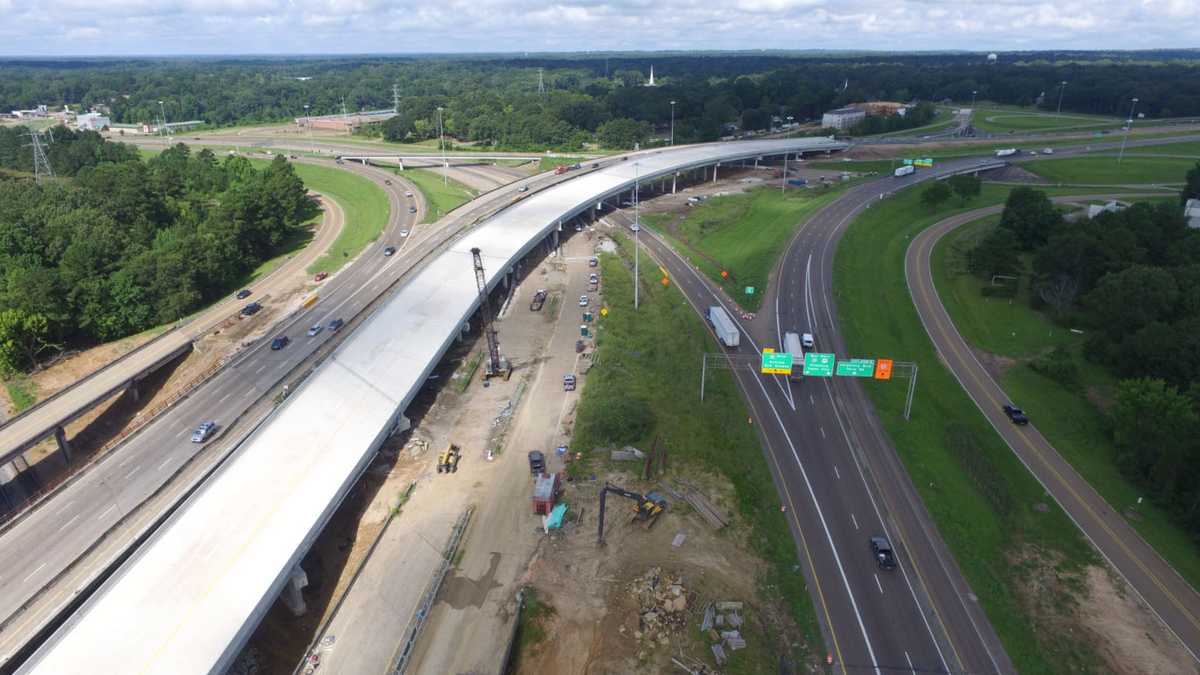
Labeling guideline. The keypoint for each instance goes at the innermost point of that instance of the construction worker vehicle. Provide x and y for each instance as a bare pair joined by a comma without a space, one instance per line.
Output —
646,508
448,459
539,299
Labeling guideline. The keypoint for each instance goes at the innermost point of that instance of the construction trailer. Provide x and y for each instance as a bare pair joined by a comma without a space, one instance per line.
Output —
546,488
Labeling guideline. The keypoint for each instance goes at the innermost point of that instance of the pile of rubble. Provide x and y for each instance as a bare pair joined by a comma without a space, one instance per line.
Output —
722,624
662,607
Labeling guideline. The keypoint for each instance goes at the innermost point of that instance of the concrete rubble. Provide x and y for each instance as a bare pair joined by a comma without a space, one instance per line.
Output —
662,607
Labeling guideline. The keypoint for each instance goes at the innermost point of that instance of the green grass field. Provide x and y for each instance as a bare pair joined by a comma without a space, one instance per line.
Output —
1104,170
1003,120
1191,148
287,248
1062,413
364,204
653,355
441,196
743,234
980,495
551,163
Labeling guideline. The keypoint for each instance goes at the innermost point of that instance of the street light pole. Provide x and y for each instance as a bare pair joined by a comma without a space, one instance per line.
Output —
672,122
1061,87
973,92
783,184
637,229
162,115
442,147
1128,129
312,147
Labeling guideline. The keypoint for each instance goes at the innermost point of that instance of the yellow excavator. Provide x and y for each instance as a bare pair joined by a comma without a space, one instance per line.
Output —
448,459
646,508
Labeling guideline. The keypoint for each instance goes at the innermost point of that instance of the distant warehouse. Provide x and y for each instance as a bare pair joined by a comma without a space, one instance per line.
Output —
348,122
843,118
92,121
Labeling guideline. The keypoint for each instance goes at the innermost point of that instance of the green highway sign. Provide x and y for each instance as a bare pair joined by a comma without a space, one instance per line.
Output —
749,290
818,365
856,368
777,363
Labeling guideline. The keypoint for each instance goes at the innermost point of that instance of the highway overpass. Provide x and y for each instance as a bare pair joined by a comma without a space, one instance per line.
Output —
188,599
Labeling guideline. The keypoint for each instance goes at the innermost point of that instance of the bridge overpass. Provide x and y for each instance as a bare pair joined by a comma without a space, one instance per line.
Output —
189,598
425,159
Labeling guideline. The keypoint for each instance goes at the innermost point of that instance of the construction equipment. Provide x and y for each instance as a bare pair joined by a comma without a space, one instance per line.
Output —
448,459
539,299
497,365
646,509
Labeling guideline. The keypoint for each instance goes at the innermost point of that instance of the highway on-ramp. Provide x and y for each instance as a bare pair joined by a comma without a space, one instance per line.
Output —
1168,594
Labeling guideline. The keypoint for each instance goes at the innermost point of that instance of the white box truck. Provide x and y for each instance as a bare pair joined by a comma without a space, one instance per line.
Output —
904,170
1007,152
726,330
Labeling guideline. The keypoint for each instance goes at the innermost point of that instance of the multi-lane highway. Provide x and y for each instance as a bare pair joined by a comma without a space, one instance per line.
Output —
1170,596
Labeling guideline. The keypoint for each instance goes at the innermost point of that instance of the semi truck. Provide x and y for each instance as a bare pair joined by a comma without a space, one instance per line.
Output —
791,345
904,170
1007,152
726,330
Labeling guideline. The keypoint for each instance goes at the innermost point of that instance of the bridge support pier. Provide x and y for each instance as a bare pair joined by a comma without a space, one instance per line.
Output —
715,172
292,595
64,445
135,391
463,330
402,424
674,178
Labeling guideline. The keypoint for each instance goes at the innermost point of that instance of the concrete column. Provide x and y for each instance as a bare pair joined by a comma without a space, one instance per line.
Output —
63,444
715,172
400,162
402,424
555,238
292,595
135,391
756,162
674,178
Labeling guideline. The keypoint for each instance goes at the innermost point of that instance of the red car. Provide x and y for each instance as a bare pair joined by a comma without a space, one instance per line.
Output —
321,276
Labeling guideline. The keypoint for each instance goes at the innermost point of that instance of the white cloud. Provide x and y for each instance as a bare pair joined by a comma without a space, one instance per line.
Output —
357,26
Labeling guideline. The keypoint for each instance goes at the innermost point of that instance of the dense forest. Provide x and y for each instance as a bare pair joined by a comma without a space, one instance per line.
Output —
116,245
497,101
1129,279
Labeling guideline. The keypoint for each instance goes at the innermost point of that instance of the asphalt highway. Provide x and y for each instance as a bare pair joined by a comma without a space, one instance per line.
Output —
1170,596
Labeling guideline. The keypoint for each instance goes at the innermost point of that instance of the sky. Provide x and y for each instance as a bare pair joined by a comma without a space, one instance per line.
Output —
177,27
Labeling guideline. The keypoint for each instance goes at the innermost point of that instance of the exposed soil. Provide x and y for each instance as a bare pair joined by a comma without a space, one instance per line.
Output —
995,364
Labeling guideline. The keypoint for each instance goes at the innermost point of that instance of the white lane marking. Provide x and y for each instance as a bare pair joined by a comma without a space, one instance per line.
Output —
260,369
247,391
828,535
811,400
181,432
910,664
836,472
822,431
808,294
65,506
164,464
106,511
877,584
31,574
222,399
132,471
68,523
854,520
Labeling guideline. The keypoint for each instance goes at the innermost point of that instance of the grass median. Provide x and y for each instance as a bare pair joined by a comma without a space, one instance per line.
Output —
364,205
1065,413
741,234
997,520
441,195
652,357
1104,170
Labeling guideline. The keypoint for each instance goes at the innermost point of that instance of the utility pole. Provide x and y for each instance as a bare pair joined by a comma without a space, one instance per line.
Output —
345,117
541,84
1061,87
672,122
1128,129
637,229
308,123
973,92
164,129
783,185
396,98
41,165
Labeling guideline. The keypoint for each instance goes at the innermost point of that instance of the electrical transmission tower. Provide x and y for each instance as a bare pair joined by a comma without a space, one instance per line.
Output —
496,364
541,83
41,165
345,118
396,98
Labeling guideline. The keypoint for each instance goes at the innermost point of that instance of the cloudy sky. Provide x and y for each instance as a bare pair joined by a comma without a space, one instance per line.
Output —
120,27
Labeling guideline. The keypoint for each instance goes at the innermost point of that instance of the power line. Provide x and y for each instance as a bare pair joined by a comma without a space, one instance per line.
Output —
41,165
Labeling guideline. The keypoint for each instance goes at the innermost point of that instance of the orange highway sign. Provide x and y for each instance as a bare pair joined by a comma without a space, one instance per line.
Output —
883,369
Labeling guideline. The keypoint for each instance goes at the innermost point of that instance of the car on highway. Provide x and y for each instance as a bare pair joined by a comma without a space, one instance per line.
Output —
408,194
523,188
1015,414
583,301
387,181
807,341
885,557
243,294
280,342
315,330
412,209
204,432
593,261
336,325
391,250
321,276
251,309
403,233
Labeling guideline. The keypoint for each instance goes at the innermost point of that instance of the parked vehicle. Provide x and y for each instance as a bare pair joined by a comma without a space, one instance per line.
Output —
904,171
885,557
539,299
726,330
243,294
251,309
593,261
336,325
561,169
583,301
280,342
204,432
448,459
568,383
321,276
537,462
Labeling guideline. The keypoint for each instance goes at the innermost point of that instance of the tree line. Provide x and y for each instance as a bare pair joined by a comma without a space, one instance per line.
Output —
122,246
1128,278
497,101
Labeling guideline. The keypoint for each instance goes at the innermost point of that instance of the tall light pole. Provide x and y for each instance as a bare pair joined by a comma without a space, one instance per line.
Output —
672,122
783,185
973,92
1128,129
442,148
637,228
312,147
1061,87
